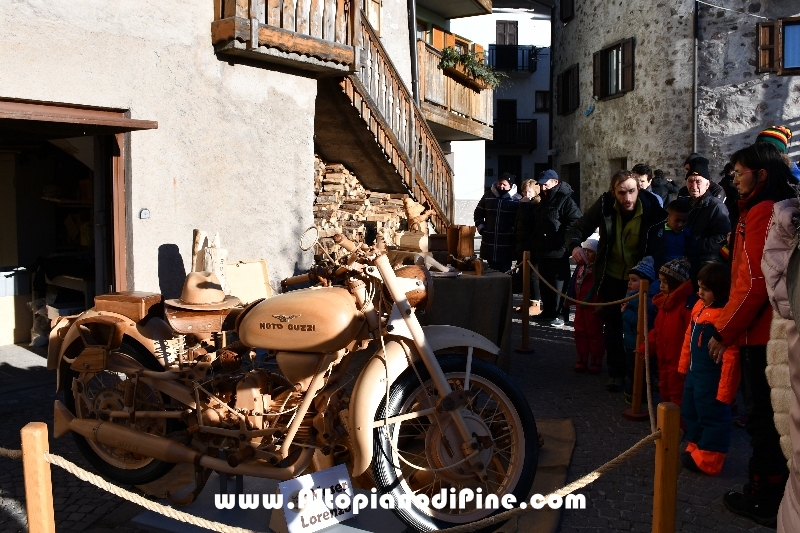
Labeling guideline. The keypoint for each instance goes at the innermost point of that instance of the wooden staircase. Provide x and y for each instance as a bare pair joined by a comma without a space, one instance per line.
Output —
393,137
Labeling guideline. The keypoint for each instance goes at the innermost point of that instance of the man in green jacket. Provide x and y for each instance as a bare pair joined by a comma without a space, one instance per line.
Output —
631,226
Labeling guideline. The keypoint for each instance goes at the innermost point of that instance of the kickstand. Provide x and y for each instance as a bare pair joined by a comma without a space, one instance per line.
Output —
201,476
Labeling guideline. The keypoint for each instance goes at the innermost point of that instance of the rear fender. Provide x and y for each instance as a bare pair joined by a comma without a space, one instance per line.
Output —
146,334
383,367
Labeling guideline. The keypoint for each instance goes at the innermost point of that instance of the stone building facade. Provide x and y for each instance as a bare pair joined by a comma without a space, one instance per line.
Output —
615,107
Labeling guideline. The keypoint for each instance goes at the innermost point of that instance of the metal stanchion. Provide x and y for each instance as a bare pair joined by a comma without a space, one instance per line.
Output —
38,485
634,412
526,304
665,481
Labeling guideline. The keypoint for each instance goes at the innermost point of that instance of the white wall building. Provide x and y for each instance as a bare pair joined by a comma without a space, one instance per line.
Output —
521,104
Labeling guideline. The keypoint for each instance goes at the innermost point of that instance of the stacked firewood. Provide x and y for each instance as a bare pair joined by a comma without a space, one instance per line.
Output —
343,205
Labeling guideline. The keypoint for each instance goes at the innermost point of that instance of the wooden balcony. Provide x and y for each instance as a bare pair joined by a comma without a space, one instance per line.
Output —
311,35
457,107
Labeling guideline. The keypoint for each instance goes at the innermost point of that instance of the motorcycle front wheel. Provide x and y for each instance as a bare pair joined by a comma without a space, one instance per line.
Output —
422,456
105,390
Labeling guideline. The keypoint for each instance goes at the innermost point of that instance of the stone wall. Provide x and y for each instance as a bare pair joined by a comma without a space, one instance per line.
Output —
653,123
734,101
233,152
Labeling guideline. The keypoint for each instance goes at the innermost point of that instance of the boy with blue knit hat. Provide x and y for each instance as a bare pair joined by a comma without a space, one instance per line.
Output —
644,270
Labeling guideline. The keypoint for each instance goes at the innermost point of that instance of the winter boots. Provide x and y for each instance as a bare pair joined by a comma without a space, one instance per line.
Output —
760,499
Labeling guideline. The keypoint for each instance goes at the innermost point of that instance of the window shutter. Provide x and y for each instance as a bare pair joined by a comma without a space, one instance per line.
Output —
597,75
449,40
627,65
500,38
574,95
768,49
511,32
567,10
560,94
438,38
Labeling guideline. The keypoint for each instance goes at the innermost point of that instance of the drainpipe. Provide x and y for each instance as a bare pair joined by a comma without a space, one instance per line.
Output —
695,31
412,40
551,55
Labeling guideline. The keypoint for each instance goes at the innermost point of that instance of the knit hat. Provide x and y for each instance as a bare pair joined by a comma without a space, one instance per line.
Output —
699,165
677,269
645,269
592,242
508,176
776,135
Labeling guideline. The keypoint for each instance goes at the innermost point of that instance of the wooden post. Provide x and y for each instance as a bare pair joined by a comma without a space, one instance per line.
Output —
665,482
634,412
38,486
526,304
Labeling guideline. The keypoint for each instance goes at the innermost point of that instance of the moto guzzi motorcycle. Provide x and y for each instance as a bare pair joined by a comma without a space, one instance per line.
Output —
149,385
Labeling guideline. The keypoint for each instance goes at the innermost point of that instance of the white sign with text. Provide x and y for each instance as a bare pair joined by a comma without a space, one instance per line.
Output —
310,501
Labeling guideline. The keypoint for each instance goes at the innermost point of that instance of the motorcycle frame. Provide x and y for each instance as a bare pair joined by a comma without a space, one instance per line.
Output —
373,382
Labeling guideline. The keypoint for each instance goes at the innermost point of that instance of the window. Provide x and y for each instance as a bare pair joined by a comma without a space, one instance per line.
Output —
612,69
422,30
542,101
567,87
373,10
779,46
507,110
506,32
566,10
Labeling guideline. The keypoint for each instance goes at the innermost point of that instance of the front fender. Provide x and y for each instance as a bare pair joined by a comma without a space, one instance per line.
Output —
370,388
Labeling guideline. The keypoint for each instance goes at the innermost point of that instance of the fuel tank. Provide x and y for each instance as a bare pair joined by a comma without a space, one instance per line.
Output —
307,320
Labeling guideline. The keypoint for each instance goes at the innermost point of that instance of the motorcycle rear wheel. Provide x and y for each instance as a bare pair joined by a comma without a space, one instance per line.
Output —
495,408
105,390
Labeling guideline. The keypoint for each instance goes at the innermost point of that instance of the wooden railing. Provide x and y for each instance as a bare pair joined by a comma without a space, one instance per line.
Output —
396,121
449,93
316,28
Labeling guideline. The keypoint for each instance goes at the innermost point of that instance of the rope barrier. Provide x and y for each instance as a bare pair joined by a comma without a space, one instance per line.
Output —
578,302
572,487
11,454
169,512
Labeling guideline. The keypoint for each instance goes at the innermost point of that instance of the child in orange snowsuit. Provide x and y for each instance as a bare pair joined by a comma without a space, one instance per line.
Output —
710,387
666,338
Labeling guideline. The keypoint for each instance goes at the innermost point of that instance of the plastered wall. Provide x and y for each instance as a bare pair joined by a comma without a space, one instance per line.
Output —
233,152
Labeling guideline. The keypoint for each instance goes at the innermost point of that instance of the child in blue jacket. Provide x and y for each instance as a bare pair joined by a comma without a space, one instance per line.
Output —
645,270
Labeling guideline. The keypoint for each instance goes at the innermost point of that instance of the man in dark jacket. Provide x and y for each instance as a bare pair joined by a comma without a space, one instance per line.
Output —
709,222
696,163
663,187
631,226
555,213
494,219
644,175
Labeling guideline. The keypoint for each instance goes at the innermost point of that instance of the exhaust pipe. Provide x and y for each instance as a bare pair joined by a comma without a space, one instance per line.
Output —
164,449
123,437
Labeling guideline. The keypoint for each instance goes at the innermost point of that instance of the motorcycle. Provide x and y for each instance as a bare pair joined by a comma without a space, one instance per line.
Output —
149,384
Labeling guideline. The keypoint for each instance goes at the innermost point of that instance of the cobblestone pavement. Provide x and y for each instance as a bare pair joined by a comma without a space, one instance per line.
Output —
619,501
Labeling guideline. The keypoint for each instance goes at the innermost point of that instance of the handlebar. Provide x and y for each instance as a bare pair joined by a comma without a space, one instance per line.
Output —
294,280
344,242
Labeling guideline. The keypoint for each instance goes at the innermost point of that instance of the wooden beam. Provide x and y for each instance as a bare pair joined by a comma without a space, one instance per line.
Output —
290,41
230,28
38,484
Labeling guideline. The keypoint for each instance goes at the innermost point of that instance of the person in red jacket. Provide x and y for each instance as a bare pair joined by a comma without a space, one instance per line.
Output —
666,338
762,178
588,334
710,387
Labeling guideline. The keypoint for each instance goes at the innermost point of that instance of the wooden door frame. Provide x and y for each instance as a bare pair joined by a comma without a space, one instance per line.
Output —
91,121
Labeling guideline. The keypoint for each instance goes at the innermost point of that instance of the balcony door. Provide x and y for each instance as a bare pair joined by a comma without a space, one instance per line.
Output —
506,32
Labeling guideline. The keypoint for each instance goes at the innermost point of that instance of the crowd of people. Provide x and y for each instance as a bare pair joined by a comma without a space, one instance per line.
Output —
701,249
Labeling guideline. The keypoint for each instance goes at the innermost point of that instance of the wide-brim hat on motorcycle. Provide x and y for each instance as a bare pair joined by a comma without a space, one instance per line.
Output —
202,291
